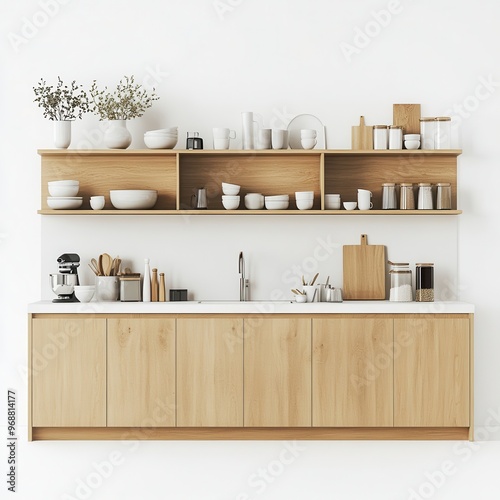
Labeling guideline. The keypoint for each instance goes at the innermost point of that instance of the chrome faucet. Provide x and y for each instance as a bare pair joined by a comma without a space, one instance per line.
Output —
244,283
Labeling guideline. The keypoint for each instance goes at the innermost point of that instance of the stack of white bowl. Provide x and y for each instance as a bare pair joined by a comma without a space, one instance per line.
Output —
163,138
63,195
230,198
304,200
84,293
277,202
332,201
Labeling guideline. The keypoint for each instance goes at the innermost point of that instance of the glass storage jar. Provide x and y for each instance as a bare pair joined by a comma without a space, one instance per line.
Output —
401,282
424,282
424,196
406,197
427,128
442,136
389,199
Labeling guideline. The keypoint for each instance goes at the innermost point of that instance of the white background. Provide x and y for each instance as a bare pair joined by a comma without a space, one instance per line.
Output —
209,61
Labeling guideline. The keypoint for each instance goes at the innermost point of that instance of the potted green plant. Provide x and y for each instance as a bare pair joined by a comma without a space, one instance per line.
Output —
129,100
62,104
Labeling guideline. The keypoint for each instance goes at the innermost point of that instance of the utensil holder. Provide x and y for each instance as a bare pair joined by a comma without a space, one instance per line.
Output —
107,288
312,292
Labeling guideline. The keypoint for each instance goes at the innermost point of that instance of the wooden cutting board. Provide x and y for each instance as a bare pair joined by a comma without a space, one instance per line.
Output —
407,116
361,135
364,271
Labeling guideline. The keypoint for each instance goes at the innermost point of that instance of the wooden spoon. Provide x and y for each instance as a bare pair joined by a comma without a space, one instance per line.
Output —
95,264
314,279
107,263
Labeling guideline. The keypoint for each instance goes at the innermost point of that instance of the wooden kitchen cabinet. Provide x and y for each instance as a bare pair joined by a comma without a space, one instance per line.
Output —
210,372
352,372
141,372
277,375
176,174
68,372
431,371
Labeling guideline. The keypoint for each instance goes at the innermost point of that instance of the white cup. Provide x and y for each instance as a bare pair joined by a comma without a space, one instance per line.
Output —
308,133
364,199
279,138
264,138
254,201
97,202
222,136
221,143
308,143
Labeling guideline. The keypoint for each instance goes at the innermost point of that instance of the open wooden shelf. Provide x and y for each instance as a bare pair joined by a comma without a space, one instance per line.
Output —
176,174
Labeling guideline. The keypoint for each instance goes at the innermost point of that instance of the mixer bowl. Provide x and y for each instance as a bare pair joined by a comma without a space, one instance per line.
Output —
63,284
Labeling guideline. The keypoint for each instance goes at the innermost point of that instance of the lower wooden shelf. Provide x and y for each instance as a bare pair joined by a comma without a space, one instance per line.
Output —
251,212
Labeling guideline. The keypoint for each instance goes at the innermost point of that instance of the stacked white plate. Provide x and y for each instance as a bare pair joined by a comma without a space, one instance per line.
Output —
277,202
63,195
163,138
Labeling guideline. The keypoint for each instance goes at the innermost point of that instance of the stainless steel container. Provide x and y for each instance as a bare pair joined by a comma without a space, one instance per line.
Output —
389,198
443,197
63,284
406,197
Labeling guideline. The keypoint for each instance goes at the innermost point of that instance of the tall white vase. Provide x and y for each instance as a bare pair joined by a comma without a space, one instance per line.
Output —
62,134
116,135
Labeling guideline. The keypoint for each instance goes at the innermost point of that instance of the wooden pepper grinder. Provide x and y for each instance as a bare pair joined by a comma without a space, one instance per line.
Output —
162,288
154,285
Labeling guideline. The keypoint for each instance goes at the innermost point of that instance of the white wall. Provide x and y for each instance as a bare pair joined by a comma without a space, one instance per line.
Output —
208,63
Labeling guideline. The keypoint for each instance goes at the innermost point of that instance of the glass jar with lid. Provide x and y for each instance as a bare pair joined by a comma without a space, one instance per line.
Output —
401,282
425,196
424,282
442,133
427,132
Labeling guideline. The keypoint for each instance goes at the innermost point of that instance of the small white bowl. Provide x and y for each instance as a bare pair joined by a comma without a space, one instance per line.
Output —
350,205
230,189
304,204
160,141
276,205
63,190
64,203
411,137
84,293
300,298
304,195
278,197
254,201
231,202
63,183
97,202
133,199
171,130
412,144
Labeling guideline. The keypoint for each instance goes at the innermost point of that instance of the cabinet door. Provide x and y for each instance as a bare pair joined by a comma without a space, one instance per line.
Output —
352,372
431,372
141,372
277,372
68,372
209,372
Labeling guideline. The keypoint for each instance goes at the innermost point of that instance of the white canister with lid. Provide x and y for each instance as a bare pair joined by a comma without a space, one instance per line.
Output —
380,137
427,132
395,137
424,196
442,135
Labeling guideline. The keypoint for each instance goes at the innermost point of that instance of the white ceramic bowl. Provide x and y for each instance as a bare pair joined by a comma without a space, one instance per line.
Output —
171,130
63,183
231,202
276,205
412,144
161,134
133,199
63,190
160,142
332,205
254,201
84,293
411,137
350,205
278,197
300,298
304,204
230,189
64,203
304,195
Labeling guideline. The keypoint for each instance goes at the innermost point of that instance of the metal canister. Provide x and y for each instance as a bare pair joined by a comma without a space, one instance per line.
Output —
443,197
406,197
389,199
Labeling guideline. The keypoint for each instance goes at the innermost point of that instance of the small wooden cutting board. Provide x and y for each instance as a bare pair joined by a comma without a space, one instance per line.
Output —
362,136
364,271
407,116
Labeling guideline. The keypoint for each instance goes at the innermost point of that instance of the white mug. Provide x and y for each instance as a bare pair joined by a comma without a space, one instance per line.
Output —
279,138
264,138
224,133
364,199
308,143
221,143
308,133
97,202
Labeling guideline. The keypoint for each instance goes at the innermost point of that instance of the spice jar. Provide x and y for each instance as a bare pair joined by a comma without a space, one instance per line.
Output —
443,197
380,137
442,136
424,196
389,200
406,198
424,284
395,137
427,132
401,283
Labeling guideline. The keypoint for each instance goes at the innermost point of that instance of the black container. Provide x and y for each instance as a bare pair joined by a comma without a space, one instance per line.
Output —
424,279
194,141
178,295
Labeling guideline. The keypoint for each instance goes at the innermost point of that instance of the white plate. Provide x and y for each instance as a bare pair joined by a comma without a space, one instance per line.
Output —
303,122
69,203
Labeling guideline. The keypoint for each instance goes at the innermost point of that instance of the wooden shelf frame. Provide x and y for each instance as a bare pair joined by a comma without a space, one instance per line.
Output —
176,174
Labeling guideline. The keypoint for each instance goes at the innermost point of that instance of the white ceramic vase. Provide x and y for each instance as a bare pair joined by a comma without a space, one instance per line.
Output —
116,135
62,134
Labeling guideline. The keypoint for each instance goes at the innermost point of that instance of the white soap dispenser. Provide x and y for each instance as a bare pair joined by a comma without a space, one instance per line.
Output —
146,283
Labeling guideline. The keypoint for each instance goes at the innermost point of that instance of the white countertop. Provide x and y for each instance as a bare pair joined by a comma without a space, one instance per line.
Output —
255,307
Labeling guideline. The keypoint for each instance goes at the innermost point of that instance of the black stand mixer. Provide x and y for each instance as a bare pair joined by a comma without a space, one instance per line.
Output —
63,283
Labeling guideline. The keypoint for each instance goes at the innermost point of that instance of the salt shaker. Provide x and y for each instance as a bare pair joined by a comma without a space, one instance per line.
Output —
389,201
443,197
424,196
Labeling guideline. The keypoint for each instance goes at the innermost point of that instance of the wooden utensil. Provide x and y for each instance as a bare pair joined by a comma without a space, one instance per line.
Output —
362,135
407,116
364,271
314,279
94,270
96,265
107,263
